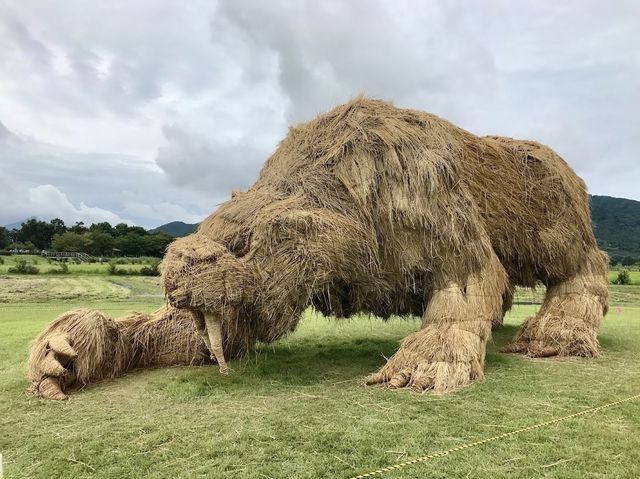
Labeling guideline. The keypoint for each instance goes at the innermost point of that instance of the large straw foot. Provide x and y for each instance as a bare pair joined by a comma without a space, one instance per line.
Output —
436,360
74,349
550,335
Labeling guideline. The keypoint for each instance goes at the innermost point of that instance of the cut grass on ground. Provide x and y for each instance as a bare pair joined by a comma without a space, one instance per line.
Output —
298,409
25,288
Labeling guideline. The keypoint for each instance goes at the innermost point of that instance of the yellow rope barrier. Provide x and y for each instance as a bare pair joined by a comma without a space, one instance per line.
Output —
490,439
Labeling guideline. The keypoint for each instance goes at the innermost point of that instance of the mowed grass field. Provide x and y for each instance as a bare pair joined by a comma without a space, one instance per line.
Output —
298,409
77,289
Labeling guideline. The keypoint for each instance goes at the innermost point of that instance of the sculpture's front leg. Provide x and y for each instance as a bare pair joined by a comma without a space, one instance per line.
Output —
448,352
84,346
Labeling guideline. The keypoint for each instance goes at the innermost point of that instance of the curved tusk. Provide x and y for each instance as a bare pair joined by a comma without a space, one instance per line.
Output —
214,329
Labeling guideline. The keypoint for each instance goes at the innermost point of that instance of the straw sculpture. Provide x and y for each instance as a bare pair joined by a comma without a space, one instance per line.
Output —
373,209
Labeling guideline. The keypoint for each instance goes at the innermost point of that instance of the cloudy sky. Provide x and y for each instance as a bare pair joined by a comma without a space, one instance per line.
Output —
152,111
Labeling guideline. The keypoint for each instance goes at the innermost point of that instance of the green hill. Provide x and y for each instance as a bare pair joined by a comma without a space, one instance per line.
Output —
616,222
176,229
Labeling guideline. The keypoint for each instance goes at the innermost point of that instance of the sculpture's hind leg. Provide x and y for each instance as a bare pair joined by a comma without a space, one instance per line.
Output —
448,352
568,321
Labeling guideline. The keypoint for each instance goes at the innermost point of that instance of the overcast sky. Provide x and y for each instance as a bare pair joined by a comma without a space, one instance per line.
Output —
153,111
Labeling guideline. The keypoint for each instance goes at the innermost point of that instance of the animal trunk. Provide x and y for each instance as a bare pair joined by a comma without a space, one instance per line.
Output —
214,329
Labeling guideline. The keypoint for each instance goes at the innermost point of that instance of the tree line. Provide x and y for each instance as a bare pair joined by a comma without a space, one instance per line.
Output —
98,239
623,260
103,239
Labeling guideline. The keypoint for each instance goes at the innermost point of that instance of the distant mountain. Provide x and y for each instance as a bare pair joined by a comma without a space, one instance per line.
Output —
18,224
616,223
176,229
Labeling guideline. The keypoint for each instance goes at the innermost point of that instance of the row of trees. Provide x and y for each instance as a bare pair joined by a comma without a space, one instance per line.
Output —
103,239
99,239
623,260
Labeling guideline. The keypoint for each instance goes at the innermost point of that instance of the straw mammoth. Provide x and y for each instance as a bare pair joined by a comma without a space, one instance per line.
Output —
367,208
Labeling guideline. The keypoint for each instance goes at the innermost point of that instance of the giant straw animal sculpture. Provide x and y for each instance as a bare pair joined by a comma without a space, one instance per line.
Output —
367,208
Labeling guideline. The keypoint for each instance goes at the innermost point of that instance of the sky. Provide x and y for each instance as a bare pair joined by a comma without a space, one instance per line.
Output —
152,111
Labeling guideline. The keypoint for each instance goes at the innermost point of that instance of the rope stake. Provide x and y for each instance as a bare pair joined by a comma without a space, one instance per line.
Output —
468,445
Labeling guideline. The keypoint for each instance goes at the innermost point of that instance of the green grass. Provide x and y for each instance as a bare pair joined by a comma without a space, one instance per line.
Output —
135,264
298,409
633,275
81,288
45,265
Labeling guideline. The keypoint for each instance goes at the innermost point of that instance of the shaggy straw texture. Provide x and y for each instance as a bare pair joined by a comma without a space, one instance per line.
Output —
376,209
371,208
449,351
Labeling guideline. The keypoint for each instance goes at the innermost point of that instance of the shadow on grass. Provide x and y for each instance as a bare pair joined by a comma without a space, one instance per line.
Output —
304,363
617,343
502,336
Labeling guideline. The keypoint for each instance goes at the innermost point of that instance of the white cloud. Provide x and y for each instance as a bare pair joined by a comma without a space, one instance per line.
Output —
151,109
479,66
39,180
49,202
328,52
163,212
